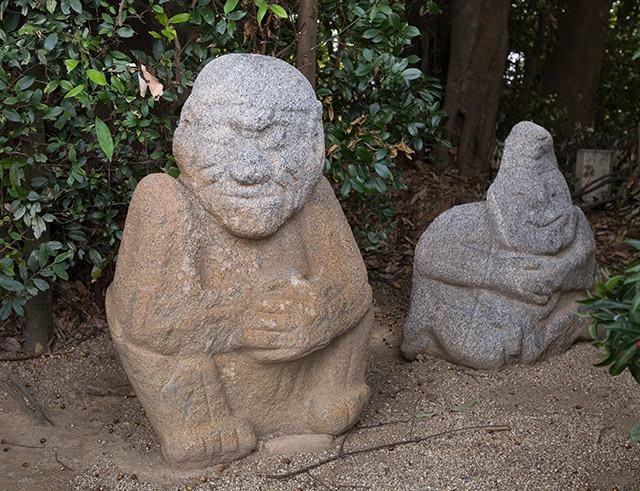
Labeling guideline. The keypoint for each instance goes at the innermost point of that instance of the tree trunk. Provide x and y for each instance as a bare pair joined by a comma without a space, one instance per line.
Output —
479,41
572,71
432,44
306,46
532,59
38,311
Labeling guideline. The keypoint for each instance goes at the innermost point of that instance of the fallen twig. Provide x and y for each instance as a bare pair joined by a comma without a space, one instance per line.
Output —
385,423
11,444
27,356
47,351
318,480
122,390
64,467
23,397
420,439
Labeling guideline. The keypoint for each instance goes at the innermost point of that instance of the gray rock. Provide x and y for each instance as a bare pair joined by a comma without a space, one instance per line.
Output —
495,282
292,444
240,304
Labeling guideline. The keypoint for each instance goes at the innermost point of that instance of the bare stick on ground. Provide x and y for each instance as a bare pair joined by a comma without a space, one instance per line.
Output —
14,386
341,454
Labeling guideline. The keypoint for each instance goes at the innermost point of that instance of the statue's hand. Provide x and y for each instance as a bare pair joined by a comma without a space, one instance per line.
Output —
274,346
284,323
538,278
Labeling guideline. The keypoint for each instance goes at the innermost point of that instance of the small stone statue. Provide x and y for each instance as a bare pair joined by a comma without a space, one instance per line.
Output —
495,282
240,305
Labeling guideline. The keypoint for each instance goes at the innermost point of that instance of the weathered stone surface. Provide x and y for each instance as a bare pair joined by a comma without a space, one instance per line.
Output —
292,444
240,304
495,282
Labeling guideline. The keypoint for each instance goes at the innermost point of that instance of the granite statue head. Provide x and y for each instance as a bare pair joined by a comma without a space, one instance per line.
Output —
529,201
250,143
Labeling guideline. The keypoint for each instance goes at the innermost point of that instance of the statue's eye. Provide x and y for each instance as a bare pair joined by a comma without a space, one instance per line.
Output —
276,137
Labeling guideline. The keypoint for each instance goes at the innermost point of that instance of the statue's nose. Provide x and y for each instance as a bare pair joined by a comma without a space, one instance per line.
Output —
250,169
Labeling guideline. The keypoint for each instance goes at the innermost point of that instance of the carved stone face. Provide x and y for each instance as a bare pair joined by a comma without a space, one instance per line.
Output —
252,160
529,200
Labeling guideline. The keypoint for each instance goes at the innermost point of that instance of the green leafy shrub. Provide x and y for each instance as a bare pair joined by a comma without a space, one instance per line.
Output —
614,309
90,92
379,108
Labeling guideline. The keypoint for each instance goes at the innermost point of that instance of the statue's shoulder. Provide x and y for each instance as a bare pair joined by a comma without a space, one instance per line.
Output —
158,195
460,219
323,194
159,201
323,206
159,215
461,225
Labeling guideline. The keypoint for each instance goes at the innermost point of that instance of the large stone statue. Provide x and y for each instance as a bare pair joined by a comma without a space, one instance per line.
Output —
495,282
240,305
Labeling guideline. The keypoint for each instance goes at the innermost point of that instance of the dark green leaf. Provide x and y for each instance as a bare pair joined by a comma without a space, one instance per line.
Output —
125,32
370,33
411,73
77,90
262,10
5,310
60,270
12,115
180,18
105,140
97,76
229,5
25,82
10,284
50,41
278,11
41,284
382,170
237,15
76,5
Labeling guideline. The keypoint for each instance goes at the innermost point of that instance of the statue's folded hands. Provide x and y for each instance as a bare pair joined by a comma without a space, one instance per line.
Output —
283,328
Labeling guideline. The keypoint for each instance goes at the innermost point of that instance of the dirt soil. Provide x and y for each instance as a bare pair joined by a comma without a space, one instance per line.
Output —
561,424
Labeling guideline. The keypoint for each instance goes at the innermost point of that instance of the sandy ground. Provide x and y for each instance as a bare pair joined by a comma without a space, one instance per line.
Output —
563,425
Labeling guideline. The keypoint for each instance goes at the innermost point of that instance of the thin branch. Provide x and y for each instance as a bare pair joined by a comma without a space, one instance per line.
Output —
614,177
176,61
64,467
318,480
120,12
11,444
420,439
596,204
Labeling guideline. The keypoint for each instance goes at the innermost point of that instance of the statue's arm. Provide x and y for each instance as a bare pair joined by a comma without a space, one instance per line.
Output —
457,248
339,272
336,285
581,257
152,298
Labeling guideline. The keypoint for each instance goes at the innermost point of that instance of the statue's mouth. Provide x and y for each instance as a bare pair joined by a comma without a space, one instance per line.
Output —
557,218
248,191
